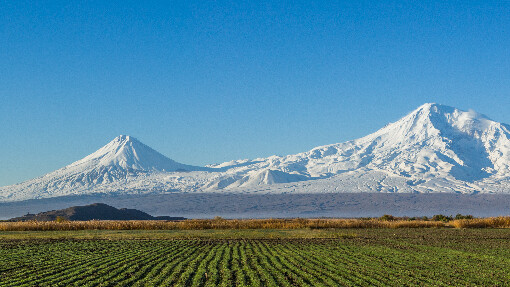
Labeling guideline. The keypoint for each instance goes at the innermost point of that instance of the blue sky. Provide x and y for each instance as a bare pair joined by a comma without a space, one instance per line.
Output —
216,81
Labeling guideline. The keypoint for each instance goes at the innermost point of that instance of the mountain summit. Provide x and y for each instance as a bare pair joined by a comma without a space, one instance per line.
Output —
129,154
432,141
435,148
122,160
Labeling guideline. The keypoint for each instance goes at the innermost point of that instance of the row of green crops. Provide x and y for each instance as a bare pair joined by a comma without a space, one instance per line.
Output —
375,261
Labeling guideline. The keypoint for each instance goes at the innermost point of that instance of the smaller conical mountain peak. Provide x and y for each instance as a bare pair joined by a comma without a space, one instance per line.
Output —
125,138
126,152
122,138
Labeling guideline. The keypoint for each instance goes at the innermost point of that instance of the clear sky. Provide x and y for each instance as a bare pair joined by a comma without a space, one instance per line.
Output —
211,82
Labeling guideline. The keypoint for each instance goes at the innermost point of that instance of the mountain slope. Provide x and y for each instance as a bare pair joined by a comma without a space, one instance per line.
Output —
433,143
128,154
435,148
120,160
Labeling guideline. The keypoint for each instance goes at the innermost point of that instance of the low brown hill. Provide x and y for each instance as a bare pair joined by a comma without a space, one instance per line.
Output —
96,211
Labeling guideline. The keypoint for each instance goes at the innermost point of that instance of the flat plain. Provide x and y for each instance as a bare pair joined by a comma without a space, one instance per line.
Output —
297,257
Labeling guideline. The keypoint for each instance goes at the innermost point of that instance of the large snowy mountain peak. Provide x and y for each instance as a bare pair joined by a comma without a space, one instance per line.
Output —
434,148
432,141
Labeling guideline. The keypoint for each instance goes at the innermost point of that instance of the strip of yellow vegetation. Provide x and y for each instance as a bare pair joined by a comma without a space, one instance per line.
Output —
490,222
219,223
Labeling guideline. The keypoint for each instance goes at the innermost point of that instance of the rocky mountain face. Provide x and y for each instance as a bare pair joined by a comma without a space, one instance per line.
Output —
435,148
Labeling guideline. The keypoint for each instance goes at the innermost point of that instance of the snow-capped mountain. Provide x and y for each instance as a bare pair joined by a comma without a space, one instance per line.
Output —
118,161
127,154
435,148
432,141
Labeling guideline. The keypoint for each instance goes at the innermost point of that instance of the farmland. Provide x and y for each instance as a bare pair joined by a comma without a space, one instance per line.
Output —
302,257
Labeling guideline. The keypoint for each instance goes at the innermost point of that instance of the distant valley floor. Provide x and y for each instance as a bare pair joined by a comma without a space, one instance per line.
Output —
200,205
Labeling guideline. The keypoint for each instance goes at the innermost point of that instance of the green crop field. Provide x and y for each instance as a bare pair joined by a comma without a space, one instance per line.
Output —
362,257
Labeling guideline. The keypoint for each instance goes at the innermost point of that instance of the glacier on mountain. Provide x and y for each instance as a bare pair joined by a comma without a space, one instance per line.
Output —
435,148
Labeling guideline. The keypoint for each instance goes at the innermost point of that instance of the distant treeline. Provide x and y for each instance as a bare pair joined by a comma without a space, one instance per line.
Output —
386,221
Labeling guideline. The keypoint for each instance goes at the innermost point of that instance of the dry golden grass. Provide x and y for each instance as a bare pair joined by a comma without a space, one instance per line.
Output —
490,222
219,223
199,224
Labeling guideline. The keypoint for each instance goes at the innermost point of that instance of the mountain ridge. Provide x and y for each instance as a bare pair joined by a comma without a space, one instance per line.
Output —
435,148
